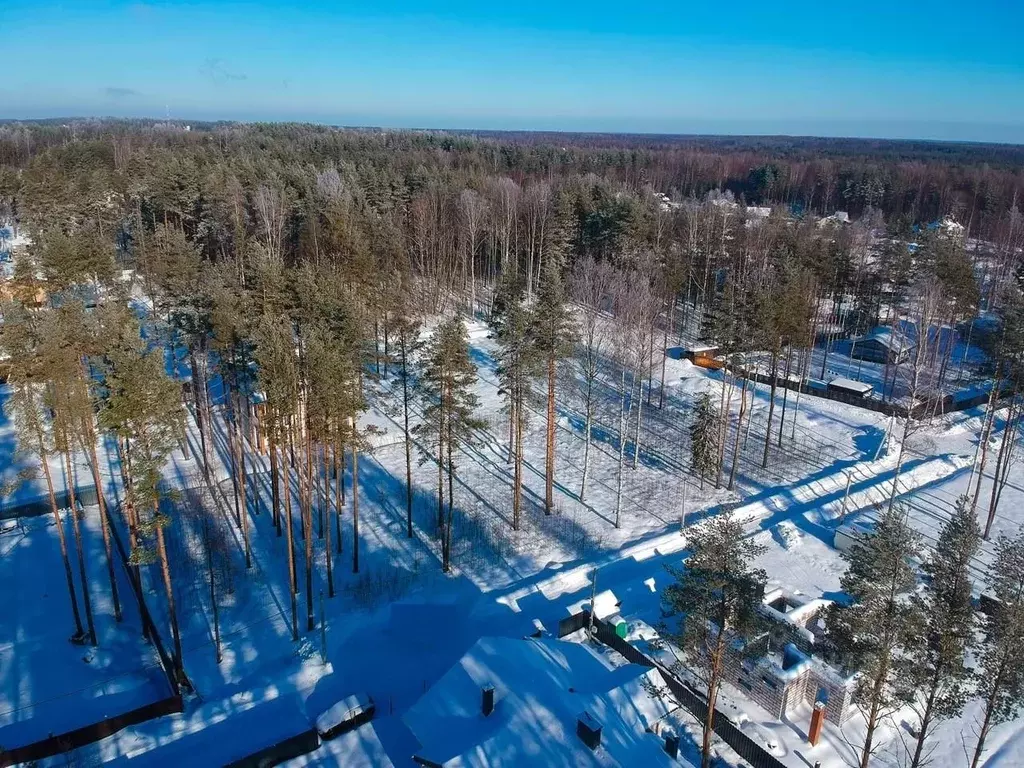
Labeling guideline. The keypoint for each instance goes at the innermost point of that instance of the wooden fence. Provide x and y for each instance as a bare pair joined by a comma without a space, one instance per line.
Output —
87,734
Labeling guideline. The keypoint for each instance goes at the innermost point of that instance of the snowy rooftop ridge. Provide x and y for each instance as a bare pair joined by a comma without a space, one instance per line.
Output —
888,337
541,687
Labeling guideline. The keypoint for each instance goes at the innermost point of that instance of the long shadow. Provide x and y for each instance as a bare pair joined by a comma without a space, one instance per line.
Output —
794,510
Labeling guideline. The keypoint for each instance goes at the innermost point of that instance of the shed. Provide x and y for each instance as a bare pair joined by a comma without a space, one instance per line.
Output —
850,387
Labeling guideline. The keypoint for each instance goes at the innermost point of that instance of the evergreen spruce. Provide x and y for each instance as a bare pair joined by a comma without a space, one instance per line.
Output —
704,437
448,413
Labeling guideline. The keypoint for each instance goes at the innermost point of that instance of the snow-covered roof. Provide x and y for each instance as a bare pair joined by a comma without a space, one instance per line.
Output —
541,687
888,337
851,386
839,217
605,604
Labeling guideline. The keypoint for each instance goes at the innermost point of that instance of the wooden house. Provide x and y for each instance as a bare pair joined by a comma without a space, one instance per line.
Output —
882,345
706,356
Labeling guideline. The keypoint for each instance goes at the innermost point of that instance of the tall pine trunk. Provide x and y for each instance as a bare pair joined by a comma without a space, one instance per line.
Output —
785,393
408,439
76,528
991,702
771,406
624,410
449,520
104,519
275,492
517,480
59,525
290,541
588,429
355,508
165,570
339,491
327,512
549,457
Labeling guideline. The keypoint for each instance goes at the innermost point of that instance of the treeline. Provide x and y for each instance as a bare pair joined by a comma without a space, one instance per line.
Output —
915,182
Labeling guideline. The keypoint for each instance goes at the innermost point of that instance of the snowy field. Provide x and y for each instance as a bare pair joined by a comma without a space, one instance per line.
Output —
394,628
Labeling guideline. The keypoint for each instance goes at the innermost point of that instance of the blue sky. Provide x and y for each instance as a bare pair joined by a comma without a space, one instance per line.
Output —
934,69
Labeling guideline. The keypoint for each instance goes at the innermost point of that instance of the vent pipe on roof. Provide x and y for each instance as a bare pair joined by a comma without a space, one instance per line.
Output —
487,700
589,730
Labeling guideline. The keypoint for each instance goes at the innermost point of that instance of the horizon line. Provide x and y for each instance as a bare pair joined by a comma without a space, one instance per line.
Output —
413,128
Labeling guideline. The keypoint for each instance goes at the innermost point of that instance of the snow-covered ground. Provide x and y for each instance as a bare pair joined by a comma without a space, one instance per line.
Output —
398,625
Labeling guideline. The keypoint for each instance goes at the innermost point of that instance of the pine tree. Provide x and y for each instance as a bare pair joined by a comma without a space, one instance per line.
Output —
1001,666
519,360
220,321
704,437
715,597
448,414
939,660
407,346
555,333
278,377
64,393
27,377
874,631
143,408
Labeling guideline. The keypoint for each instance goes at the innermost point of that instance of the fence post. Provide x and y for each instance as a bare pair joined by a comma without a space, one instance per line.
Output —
846,497
593,597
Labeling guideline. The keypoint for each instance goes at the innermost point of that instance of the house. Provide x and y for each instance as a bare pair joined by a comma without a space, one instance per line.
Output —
705,356
525,702
835,219
778,668
882,345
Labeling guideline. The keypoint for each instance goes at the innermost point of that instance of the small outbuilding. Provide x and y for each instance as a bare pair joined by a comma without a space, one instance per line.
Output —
849,387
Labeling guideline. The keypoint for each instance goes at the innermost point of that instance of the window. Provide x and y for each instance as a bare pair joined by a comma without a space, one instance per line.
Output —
770,683
745,684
